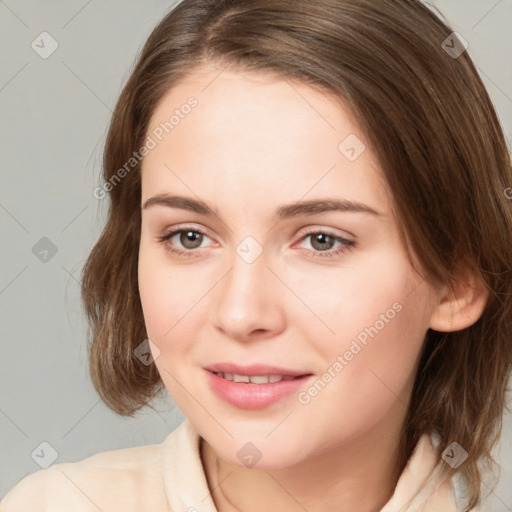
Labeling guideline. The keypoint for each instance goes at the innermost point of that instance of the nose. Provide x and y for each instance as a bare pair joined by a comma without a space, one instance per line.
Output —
249,302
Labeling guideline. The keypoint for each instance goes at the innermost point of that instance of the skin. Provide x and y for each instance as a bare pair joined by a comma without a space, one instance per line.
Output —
253,143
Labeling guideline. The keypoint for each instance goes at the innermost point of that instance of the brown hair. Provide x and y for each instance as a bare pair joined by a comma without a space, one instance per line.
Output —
440,146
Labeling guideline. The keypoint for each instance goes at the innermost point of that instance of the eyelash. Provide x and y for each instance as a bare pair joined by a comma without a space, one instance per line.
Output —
347,246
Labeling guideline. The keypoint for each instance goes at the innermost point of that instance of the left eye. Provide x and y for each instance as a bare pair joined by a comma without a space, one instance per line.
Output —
321,239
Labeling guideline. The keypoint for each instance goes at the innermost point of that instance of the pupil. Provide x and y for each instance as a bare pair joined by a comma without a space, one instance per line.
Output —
321,239
189,238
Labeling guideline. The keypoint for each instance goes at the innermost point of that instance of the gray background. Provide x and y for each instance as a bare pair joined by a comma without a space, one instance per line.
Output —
55,113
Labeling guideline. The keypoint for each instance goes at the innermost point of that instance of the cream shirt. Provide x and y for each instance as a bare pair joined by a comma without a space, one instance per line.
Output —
170,477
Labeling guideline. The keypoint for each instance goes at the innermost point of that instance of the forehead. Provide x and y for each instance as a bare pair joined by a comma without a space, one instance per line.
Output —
261,99
250,132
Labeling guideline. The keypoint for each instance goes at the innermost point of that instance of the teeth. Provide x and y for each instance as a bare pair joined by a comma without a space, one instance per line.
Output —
255,379
262,379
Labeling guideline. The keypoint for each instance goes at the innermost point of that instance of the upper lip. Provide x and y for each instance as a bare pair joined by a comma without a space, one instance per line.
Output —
253,369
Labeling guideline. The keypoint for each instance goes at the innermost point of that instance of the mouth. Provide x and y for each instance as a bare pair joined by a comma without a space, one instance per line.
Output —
255,373
254,386
255,379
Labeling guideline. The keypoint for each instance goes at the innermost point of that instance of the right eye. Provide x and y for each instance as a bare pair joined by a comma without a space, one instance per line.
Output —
187,237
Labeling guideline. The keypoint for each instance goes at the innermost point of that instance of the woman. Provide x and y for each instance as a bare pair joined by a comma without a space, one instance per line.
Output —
308,247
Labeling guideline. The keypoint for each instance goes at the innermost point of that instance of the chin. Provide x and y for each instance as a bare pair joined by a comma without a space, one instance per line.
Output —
254,448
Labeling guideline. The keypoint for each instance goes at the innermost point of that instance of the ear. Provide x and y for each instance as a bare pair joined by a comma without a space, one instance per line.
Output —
461,306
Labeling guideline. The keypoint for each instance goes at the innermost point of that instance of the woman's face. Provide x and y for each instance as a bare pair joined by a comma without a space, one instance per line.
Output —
268,278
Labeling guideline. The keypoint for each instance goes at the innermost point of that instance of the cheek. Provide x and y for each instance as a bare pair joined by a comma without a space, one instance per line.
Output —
378,314
365,294
166,294
170,299
375,382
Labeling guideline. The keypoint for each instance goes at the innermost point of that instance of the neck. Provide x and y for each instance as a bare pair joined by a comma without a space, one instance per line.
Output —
358,475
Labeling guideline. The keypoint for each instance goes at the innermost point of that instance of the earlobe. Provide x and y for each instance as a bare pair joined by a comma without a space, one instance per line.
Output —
460,308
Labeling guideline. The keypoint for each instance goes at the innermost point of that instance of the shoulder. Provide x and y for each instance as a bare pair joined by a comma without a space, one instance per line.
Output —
106,481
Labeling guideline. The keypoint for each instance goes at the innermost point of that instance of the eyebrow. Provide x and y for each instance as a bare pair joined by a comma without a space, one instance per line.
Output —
310,207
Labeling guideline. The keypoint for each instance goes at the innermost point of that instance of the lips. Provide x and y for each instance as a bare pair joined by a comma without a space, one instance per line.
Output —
255,386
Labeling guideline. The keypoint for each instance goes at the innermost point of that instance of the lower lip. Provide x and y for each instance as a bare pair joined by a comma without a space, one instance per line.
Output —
254,396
